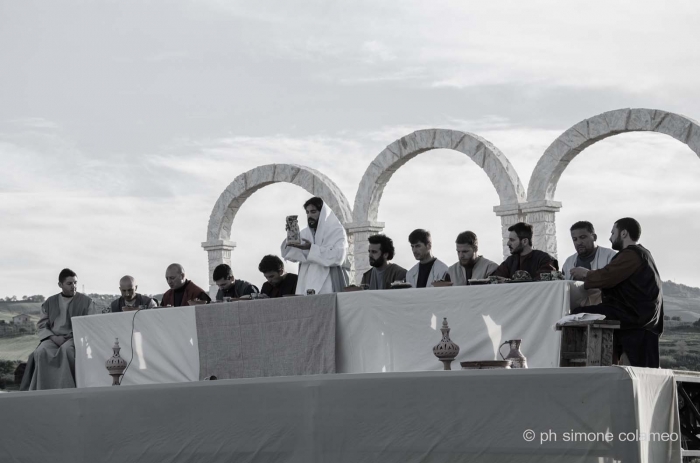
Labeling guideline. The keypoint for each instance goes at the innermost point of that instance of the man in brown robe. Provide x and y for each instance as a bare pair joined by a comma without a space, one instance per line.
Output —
632,294
182,291
382,274
52,365
523,257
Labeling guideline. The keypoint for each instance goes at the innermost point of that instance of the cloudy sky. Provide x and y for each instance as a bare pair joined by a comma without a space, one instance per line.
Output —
122,122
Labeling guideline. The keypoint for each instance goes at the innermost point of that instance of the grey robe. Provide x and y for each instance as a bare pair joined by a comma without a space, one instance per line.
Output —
482,269
51,366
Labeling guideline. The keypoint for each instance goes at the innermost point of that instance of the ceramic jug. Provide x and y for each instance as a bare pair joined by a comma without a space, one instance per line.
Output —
515,356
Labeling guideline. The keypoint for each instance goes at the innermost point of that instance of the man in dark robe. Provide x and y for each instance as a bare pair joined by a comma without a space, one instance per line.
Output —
632,294
182,291
52,365
230,286
130,300
382,274
279,283
523,257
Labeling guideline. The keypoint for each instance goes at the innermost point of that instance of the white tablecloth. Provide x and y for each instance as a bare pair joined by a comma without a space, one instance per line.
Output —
395,330
376,331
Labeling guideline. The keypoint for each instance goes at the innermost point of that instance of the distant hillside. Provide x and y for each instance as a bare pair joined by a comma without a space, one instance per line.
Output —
16,308
681,301
681,291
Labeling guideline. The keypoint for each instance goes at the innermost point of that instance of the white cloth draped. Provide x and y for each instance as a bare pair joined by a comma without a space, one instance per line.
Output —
329,248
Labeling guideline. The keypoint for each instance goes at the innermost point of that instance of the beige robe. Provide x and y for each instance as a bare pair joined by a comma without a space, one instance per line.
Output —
53,367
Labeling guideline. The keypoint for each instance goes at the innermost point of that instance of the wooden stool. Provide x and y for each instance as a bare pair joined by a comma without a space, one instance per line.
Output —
587,343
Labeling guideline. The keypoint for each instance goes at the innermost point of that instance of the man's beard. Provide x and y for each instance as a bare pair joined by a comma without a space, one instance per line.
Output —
617,245
584,251
377,262
517,250
469,263
312,223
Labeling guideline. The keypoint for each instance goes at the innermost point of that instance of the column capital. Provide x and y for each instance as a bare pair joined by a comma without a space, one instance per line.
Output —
538,206
354,227
508,209
218,245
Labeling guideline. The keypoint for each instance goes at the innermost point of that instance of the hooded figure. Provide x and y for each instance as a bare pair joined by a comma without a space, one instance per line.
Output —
322,267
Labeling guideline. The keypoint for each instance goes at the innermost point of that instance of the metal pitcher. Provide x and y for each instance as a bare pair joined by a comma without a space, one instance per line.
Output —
516,357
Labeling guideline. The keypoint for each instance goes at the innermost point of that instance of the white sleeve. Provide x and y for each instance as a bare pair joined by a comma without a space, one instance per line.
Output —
331,255
293,254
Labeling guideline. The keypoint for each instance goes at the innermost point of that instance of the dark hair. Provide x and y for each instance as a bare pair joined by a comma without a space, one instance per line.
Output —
419,235
523,230
632,227
222,272
65,273
469,238
583,225
271,263
315,201
386,244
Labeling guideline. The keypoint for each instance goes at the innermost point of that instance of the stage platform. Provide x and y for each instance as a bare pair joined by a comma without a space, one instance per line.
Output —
602,414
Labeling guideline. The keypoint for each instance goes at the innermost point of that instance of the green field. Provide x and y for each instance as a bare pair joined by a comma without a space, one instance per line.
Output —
18,348
679,349
20,307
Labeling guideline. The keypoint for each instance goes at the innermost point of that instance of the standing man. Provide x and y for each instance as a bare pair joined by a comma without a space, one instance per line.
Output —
382,273
182,290
429,268
470,264
130,300
52,365
279,283
322,255
588,254
523,257
229,286
632,294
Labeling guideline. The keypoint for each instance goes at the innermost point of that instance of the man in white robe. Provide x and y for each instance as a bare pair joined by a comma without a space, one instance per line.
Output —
429,268
322,254
470,266
52,364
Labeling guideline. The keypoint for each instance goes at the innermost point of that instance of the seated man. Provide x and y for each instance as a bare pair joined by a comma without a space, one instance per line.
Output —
429,268
632,294
523,257
470,264
52,365
588,255
322,255
130,300
182,291
279,283
229,286
382,274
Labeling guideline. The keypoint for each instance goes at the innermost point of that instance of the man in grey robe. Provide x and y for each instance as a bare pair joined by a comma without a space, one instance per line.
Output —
52,365
382,274
470,266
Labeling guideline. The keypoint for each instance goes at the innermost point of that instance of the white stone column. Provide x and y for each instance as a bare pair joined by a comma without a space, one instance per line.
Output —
218,252
510,215
541,215
358,234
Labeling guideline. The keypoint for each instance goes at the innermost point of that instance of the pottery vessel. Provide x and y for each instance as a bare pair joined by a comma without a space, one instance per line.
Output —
293,233
516,357
446,350
115,364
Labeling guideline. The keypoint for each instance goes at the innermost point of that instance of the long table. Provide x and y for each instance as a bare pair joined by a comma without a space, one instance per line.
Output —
356,332
489,416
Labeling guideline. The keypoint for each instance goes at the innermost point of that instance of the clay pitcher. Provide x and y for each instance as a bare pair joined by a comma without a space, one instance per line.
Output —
516,357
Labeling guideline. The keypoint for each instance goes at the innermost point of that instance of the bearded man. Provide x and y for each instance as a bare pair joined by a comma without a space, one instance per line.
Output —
470,264
632,294
52,365
429,268
322,254
523,257
130,300
382,273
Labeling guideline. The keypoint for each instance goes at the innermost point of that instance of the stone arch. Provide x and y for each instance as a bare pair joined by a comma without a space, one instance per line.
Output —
541,208
494,163
243,186
543,183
